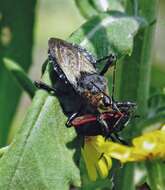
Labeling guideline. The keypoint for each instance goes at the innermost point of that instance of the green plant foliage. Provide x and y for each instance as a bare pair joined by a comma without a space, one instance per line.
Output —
157,77
90,8
106,28
3,150
40,156
19,74
16,40
155,174
135,84
44,154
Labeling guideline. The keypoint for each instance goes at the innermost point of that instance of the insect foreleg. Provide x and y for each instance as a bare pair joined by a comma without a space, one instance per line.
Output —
120,139
110,60
70,119
44,86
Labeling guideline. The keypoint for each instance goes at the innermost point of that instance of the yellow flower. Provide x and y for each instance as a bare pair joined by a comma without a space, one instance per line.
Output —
98,152
96,162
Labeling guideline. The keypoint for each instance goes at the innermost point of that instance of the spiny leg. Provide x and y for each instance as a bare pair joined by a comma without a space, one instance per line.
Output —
110,60
44,67
44,86
116,135
120,139
70,119
103,124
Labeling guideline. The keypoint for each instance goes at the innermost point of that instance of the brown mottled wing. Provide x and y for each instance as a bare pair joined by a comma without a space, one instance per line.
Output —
72,59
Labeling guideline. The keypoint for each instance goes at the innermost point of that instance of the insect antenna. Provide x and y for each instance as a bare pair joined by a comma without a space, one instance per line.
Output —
113,81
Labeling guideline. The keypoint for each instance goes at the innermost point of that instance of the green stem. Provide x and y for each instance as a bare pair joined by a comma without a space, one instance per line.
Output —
155,174
135,70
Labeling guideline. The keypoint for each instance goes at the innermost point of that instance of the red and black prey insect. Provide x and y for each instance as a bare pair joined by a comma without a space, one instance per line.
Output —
107,124
81,89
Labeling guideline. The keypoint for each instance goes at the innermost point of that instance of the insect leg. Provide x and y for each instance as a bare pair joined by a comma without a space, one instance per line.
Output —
70,119
117,122
44,86
104,125
120,139
110,60
44,67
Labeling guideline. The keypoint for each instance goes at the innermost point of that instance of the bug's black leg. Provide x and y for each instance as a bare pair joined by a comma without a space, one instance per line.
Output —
70,119
117,122
44,67
110,60
105,129
110,136
120,139
126,104
44,86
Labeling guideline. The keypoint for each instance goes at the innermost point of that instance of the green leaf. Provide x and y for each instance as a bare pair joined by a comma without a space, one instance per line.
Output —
102,34
155,173
89,8
39,157
20,76
3,150
107,5
86,8
126,173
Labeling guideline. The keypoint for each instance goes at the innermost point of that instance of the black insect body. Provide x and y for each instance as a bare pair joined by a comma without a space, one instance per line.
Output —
75,73
76,66
107,124
82,90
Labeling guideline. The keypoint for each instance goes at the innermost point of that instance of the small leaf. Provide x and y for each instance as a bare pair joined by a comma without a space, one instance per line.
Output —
89,8
102,34
20,76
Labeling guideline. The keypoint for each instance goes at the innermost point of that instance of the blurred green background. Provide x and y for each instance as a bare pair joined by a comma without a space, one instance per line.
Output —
59,18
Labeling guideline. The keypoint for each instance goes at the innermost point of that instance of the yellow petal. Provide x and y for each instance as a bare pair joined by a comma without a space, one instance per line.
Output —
103,166
91,169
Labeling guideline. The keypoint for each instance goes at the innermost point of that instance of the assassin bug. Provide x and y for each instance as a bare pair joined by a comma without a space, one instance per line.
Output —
81,89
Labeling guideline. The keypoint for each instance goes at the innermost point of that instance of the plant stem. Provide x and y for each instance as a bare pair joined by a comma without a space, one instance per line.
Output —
135,71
